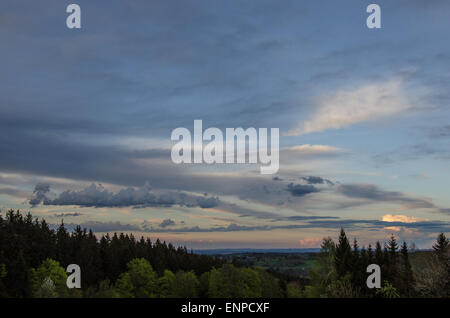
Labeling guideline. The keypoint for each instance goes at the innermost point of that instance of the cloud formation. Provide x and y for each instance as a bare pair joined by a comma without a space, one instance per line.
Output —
97,196
399,218
167,222
299,190
374,193
39,194
317,180
70,214
351,106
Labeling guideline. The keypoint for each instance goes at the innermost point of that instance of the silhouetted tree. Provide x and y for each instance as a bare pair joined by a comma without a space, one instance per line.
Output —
407,281
343,255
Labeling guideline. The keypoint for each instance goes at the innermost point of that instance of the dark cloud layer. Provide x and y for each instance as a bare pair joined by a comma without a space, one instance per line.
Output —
317,180
299,190
69,214
97,196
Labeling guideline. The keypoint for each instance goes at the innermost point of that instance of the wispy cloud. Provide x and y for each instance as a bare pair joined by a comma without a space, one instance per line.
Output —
351,106
308,150
374,193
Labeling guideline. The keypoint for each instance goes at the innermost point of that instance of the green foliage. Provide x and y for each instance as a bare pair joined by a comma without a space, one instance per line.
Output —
433,277
340,271
343,288
124,286
388,291
232,282
105,290
32,264
106,259
324,272
3,271
270,286
185,285
294,290
139,281
166,284
204,285
49,280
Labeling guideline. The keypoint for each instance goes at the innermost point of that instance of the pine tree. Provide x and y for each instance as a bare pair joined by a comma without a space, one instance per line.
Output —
357,274
392,255
379,259
406,274
370,256
442,247
442,250
343,256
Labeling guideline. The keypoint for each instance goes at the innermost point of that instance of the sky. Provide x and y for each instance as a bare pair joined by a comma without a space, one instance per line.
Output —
86,117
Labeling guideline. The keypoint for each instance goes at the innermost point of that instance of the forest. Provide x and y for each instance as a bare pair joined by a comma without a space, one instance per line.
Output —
34,257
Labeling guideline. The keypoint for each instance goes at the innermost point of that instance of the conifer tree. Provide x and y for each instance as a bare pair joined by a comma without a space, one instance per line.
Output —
442,250
406,274
370,256
393,255
343,255
379,259
356,265
442,247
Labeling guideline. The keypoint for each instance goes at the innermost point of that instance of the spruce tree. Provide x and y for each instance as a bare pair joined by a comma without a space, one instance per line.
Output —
370,256
406,274
343,256
379,259
442,247
356,265
392,253
442,250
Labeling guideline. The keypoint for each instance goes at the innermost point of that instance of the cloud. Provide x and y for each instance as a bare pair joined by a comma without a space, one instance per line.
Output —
299,190
166,223
374,193
39,194
399,218
429,226
208,202
14,192
440,132
97,196
317,180
308,223
308,150
351,106
61,215
97,226
310,242
307,218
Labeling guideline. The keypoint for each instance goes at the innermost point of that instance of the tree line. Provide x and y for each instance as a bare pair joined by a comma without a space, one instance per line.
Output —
33,259
340,270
